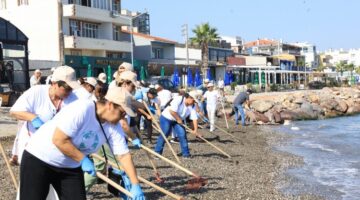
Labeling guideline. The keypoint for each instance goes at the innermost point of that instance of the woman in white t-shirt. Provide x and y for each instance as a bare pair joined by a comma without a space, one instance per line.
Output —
211,97
40,104
57,153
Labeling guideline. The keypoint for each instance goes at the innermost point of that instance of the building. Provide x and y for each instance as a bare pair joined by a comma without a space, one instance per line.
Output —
351,56
235,42
83,34
309,52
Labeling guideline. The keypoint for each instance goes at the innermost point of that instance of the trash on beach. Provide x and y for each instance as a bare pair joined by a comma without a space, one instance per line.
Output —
287,122
294,128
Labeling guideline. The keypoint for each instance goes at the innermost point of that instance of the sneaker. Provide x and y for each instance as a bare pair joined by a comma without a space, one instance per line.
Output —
14,161
174,141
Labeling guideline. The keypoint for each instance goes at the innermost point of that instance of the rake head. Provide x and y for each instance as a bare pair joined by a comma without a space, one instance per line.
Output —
196,183
158,179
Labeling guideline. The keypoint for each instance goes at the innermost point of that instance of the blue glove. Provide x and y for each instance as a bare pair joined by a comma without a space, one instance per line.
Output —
125,178
138,95
37,122
137,143
152,109
136,192
87,166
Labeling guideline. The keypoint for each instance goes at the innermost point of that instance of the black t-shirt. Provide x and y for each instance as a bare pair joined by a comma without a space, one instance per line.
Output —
241,98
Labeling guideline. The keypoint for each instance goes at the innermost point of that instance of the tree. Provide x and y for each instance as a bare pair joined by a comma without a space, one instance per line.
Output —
205,35
341,67
351,68
357,70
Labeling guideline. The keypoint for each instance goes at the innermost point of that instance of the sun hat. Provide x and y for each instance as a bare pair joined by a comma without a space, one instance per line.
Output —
127,66
121,97
91,80
210,85
66,74
102,77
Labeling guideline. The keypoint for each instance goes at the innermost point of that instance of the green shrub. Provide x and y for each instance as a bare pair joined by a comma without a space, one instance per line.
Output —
274,87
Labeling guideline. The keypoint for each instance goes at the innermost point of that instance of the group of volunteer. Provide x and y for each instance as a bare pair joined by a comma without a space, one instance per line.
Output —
62,123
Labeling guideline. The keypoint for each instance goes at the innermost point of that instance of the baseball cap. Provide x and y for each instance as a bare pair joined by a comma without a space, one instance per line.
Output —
128,75
153,91
102,77
157,86
206,80
193,94
66,74
91,80
121,97
127,66
210,85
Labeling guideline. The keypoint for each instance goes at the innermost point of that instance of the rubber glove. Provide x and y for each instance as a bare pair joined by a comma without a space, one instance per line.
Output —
37,122
137,143
136,192
87,166
127,183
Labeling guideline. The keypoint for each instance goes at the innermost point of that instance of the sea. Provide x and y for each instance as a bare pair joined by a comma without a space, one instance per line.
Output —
330,149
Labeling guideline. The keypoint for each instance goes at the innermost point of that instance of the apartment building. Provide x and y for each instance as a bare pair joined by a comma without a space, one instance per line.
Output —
79,33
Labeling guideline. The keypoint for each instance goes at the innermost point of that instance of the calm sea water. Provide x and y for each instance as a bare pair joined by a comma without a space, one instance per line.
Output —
331,152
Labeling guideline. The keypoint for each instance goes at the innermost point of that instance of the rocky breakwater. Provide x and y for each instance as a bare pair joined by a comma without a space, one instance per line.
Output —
274,108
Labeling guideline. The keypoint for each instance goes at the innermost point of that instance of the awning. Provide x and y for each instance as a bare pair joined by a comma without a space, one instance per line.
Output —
287,57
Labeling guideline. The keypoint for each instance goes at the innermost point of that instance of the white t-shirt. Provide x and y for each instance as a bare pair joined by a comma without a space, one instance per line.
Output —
211,97
82,93
164,96
83,129
221,84
34,81
180,108
112,84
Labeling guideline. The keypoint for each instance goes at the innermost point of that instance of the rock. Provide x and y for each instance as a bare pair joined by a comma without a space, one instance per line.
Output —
290,106
277,117
353,110
277,108
299,101
288,115
350,102
356,95
329,104
341,106
332,113
262,106
261,117
270,116
317,109
314,98
305,114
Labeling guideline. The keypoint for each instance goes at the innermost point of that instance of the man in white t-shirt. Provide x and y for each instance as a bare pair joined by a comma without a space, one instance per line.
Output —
172,117
125,66
87,89
35,79
211,97
164,95
40,104
58,153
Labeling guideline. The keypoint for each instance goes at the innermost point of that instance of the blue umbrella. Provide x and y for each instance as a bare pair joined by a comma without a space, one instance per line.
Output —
208,74
231,77
198,80
176,80
226,78
190,81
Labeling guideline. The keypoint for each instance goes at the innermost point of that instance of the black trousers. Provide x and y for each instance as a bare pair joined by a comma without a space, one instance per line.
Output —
36,177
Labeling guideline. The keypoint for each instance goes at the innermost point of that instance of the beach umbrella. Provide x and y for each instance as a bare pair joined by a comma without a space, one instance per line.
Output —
198,80
109,74
208,74
89,71
226,78
189,77
176,80
162,72
142,73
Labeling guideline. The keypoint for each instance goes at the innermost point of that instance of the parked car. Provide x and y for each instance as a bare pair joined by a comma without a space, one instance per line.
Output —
165,82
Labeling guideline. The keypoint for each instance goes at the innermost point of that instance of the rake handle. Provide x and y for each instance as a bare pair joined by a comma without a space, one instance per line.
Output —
112,183
9,167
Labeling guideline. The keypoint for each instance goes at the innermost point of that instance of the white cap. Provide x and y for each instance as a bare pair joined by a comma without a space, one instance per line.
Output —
157,86
193,94
206,80
210,85
37,71
128,75
91,80
102,77
121,97
151,86
127,66
66,74
53,69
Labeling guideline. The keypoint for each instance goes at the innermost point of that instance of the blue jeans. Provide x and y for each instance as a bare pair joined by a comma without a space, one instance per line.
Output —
166,126
240,109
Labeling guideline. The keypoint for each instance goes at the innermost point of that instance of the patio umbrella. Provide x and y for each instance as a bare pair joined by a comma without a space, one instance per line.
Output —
142,73
226,78
198,80
231,76
89,71
109,74
189,77
176,80
162,72
208,74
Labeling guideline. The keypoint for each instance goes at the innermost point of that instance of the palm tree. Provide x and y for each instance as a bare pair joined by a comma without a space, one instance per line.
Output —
350,67
340,67
205,35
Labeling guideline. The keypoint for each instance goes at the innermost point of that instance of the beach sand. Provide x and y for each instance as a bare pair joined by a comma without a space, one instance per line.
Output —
253,172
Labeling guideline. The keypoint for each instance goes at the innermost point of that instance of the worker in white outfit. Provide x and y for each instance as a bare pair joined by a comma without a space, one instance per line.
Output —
211,97
122,68
87,89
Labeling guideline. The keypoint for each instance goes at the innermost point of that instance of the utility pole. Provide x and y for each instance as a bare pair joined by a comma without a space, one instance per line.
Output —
185,34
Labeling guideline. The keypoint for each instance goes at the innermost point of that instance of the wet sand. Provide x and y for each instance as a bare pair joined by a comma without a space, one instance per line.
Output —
253,172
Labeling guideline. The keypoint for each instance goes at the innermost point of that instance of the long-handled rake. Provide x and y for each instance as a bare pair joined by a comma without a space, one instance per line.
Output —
162,133
221,129
8,166
112,183
164,191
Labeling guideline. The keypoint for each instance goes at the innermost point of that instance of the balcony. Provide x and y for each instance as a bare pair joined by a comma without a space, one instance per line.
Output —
75,42
79,12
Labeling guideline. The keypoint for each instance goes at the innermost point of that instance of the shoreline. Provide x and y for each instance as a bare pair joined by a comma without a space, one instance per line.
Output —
255,171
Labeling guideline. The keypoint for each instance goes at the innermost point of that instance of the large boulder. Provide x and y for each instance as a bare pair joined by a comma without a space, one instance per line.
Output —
313,98
288,115
329,104
332,113
341,106
277,117
355,109
262,106
270,115
290,106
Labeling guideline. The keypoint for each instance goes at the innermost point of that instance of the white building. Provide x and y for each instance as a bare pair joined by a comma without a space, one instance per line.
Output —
309,51
351,56
236,43
91,31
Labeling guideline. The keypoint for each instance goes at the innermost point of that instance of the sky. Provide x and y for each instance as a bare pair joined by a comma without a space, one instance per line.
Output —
325,23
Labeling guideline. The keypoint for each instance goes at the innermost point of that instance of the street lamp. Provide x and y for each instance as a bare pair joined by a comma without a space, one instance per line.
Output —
131,18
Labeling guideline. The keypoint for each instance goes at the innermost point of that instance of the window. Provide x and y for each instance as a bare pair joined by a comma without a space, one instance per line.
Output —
213,55
74,27
23,2
157,53
74,52
116,33
83,29
117,55
2,4
305,50
116,5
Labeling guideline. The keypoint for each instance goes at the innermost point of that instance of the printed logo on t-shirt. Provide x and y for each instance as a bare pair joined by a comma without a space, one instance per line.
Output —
89,141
